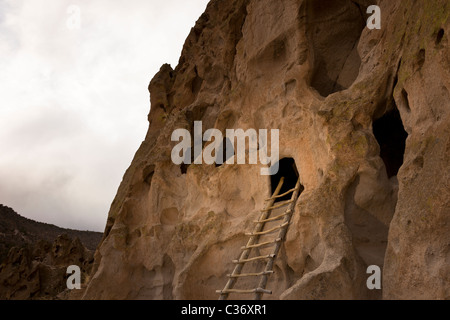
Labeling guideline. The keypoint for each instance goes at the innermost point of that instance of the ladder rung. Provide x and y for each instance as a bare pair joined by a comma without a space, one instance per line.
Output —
261,244
282,195
275,218
244,257
267,231
254,259
259,290
278,206
249,274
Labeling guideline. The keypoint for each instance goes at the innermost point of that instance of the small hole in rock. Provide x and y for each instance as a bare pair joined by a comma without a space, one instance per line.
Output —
147,174
439,36
421,58
405,100
226,151
184,167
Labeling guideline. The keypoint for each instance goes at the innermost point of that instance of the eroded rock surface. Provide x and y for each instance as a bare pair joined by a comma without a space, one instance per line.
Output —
364,113
38,271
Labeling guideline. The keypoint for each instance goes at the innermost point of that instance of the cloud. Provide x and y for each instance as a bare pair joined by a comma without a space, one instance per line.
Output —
74,103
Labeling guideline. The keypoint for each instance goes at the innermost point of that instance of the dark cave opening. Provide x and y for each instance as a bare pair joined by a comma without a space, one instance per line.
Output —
188,160
184,167
222,157
391,137
439,36
288,170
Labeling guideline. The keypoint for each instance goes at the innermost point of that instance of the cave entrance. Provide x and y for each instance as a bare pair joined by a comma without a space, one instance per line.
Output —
288,170
391,137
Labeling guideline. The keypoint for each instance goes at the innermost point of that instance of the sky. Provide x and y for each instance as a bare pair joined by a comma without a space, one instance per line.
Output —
74,99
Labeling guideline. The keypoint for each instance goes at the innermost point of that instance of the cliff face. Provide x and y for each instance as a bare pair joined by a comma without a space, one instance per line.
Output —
364,113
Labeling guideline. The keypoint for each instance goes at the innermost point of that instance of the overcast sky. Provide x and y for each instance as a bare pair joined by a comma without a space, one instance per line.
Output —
74,99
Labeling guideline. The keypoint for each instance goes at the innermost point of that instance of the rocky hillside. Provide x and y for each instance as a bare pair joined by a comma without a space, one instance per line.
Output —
35,257
363,113
18,231
39,271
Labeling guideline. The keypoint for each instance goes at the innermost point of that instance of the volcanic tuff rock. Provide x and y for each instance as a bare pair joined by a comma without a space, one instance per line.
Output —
34,257
38,271
364,113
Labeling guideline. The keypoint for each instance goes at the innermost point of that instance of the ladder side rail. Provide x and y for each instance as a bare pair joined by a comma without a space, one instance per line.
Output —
282,235
246,253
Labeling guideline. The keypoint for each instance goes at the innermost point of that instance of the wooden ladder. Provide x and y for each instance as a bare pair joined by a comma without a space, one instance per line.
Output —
253,243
